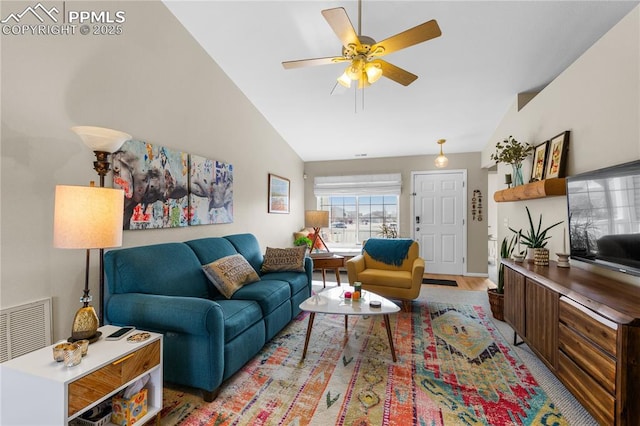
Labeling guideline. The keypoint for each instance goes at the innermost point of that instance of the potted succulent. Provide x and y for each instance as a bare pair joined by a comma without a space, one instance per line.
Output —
510,151
496,295
536,239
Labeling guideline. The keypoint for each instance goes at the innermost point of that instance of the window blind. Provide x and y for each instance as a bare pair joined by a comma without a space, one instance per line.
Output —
388,184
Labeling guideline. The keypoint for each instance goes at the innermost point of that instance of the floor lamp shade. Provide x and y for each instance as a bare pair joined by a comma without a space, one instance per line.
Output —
100,138
88,217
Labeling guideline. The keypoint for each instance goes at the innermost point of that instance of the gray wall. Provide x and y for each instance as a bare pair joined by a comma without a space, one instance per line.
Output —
476,178
598,99
153,82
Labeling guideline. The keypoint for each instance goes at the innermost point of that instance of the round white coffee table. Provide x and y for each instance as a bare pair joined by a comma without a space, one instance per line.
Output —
332,301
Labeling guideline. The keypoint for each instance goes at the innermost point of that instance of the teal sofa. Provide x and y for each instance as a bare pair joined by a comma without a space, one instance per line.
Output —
207,338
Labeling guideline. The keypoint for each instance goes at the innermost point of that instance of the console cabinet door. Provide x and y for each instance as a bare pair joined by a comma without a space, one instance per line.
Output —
542,322
514,296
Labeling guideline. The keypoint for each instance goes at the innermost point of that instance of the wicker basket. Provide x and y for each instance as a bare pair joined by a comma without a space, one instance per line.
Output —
541,256
496,301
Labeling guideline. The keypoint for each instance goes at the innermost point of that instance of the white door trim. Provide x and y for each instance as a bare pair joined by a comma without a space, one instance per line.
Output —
463,172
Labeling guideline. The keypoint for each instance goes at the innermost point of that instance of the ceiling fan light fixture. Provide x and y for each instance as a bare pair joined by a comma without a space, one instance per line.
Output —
344,80
441,160
374,72
354,71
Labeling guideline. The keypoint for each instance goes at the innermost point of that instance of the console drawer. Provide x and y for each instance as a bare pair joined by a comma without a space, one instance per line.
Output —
592,326
588,357
594,397
92,387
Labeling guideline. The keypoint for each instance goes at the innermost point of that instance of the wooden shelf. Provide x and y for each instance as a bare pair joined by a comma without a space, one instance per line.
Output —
530,191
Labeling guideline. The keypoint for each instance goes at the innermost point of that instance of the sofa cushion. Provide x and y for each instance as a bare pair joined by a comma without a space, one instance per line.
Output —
230,273
212,248
239,315
170,269
296,280
284,259
269,294
384,277
248,246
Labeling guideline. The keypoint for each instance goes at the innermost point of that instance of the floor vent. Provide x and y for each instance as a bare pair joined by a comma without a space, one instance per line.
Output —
24,328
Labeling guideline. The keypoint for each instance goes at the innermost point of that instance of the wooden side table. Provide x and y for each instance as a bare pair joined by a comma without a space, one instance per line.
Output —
325,261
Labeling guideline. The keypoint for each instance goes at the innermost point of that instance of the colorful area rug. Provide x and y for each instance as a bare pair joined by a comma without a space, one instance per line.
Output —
453,368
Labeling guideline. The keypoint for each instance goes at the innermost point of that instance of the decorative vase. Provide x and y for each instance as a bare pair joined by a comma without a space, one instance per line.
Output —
530,256
541,256
496,302
517,174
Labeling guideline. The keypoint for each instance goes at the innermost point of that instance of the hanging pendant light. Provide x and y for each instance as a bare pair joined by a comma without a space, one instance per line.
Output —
441,160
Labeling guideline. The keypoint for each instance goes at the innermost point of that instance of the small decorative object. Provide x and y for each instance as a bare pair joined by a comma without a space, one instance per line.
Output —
536,238
557,158
477,198
510,151
507,180
563,260
138,337
357,290
347,295
541,256
84,346
539,158
72,354
58,350
303,241
279,193
375,304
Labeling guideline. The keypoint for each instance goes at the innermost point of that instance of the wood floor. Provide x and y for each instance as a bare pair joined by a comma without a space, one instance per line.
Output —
465,283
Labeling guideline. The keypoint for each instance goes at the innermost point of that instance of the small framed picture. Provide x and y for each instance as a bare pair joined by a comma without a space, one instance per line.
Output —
279,191
557,158
539,157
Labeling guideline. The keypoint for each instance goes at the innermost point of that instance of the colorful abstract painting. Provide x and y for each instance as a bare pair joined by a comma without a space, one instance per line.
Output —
155,182
210,191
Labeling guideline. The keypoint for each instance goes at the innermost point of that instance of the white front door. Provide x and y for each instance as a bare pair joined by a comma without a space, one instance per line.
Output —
439,220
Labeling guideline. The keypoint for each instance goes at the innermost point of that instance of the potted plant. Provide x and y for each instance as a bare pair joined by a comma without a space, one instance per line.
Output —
496,295
302,241
510,151
536,239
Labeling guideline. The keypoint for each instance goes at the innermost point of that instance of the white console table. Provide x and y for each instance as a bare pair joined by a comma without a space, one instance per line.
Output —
36,390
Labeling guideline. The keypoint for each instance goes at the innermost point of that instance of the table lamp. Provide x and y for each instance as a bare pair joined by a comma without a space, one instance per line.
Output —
87,217
316,219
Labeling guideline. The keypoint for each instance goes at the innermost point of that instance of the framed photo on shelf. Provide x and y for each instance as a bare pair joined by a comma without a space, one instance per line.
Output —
557,158
539,157
279,192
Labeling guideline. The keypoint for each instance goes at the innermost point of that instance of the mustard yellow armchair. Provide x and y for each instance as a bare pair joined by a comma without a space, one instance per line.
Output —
389,267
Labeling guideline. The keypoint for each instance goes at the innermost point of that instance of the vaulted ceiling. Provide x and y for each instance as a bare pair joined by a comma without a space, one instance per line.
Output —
489,52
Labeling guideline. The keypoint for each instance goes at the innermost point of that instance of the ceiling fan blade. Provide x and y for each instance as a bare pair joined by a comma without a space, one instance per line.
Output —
341,24
396,74
302,63
415,35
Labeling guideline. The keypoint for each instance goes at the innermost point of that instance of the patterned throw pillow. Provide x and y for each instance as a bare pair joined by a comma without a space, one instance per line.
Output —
287,259
230,273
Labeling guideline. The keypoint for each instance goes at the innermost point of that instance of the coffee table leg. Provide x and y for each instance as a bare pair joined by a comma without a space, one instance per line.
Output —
312,316
346,323
388,326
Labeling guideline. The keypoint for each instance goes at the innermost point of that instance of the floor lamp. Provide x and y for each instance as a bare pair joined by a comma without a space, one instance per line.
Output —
87,217
103,142
316,219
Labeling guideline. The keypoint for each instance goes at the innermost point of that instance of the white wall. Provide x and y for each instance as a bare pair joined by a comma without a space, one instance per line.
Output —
154,82
597,98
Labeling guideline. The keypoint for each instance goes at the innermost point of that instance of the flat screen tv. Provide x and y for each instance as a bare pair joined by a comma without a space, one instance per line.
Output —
604,217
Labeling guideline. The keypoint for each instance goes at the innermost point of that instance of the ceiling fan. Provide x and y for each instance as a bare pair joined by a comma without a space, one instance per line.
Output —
364,53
